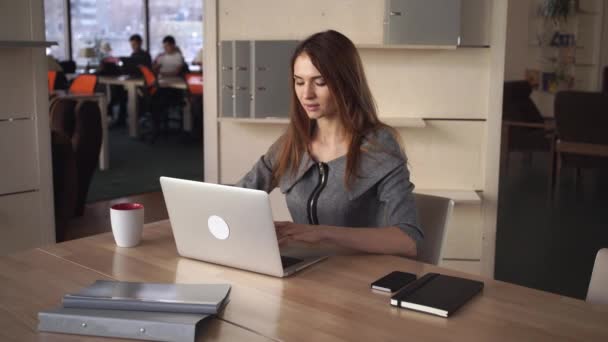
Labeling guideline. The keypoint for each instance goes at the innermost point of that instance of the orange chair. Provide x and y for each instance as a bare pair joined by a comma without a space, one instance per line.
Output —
195,83
52,77
84,85
149,79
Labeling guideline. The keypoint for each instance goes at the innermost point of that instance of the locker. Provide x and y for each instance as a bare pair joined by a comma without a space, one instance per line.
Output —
271,78
227,79
424,22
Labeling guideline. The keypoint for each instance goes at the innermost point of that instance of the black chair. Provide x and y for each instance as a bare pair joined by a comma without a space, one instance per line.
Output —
523,129
581,120
69,67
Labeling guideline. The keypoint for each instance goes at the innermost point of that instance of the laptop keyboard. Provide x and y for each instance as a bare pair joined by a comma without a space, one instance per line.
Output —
289,261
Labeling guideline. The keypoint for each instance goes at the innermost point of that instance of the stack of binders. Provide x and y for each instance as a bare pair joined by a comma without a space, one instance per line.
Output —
146,311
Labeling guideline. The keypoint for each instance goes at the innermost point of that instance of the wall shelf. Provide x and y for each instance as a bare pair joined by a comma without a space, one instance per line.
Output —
258,121
392,121
405,47
25,43
458,196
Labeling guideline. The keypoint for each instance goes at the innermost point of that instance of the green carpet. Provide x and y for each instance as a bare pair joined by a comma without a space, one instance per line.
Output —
135,166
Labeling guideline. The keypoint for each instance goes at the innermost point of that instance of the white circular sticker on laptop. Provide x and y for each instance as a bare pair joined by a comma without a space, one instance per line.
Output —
218,227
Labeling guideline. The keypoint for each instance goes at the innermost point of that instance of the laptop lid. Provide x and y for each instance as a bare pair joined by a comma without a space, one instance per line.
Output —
222,224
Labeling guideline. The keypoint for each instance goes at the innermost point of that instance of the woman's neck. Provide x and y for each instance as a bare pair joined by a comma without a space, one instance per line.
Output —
330,132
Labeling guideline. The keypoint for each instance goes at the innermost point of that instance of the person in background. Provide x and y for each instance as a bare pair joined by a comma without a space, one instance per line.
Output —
53,64
105,53
170,62
138,52
198,60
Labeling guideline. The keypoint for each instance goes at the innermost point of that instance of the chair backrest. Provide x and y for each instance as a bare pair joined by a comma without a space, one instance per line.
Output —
52,75
517,104
195,83
598,286
83,84
69,67
581,117
62,119
86,142
149,79
434,214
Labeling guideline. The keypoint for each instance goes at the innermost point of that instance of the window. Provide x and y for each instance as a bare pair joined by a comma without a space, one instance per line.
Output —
183,19
55,30
96,22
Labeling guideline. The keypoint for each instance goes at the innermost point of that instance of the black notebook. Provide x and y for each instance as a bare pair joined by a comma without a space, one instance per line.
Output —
437,294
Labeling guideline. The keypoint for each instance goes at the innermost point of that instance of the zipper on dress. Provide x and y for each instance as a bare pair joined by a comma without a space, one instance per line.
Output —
314,197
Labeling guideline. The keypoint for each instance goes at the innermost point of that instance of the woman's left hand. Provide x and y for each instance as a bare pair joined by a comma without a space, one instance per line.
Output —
289,231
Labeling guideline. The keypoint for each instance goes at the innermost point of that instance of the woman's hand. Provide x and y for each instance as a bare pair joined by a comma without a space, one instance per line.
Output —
289,231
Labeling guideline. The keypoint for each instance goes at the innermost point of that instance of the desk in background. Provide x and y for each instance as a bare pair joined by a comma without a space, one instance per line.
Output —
328,301
131,84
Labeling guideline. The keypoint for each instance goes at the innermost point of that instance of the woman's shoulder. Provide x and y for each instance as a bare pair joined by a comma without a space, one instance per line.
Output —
384,139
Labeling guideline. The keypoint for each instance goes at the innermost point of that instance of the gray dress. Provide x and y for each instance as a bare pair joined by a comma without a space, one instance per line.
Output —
381,195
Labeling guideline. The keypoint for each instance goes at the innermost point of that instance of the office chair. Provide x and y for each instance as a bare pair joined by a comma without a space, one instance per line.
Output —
581,121
158,101
434,214
523,127
194,81
83,85
598,286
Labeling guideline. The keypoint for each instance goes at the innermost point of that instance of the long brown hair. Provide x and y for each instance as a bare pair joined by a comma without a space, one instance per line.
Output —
338,61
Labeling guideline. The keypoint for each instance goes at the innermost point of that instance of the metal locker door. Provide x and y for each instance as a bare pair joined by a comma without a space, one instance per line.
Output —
424,22
271,77
227,79
242,92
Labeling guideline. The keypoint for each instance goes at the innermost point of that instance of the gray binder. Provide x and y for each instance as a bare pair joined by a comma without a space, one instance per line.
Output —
118,295
142,325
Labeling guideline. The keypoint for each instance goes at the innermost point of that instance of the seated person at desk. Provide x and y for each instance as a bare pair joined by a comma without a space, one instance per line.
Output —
170,62
198,60
343,171
138,52
108,66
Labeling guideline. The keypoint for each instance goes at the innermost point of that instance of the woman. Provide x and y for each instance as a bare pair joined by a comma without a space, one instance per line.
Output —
338,165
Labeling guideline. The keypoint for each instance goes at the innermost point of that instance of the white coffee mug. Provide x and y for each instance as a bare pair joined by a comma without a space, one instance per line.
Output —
127,223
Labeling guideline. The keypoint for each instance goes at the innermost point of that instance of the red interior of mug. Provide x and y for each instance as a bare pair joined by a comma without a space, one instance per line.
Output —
127,206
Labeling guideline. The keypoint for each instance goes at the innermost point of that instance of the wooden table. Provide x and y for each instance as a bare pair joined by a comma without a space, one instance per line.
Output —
33,281
131,84
326,302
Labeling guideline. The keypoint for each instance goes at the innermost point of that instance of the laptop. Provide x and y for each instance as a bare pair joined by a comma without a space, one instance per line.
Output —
129,66
229,226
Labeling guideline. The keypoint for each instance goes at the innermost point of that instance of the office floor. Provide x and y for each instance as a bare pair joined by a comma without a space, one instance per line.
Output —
136,166
548,245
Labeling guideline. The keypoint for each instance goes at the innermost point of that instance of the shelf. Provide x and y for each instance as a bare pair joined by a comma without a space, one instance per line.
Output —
263,121
403,122
392,121
405,47
24,43
458,196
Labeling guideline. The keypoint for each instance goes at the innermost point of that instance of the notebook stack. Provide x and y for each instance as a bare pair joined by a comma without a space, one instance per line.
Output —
437,294
147,311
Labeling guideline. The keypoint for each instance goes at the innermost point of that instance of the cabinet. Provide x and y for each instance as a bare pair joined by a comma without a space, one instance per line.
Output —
26,195
425,22
255,78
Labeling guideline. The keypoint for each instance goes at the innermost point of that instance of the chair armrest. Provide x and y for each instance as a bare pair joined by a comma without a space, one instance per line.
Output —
595,150
542,125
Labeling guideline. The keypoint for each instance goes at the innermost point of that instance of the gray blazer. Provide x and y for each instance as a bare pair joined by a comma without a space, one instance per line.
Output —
381,195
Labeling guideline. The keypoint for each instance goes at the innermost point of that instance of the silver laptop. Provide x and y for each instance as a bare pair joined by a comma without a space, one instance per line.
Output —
229,226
